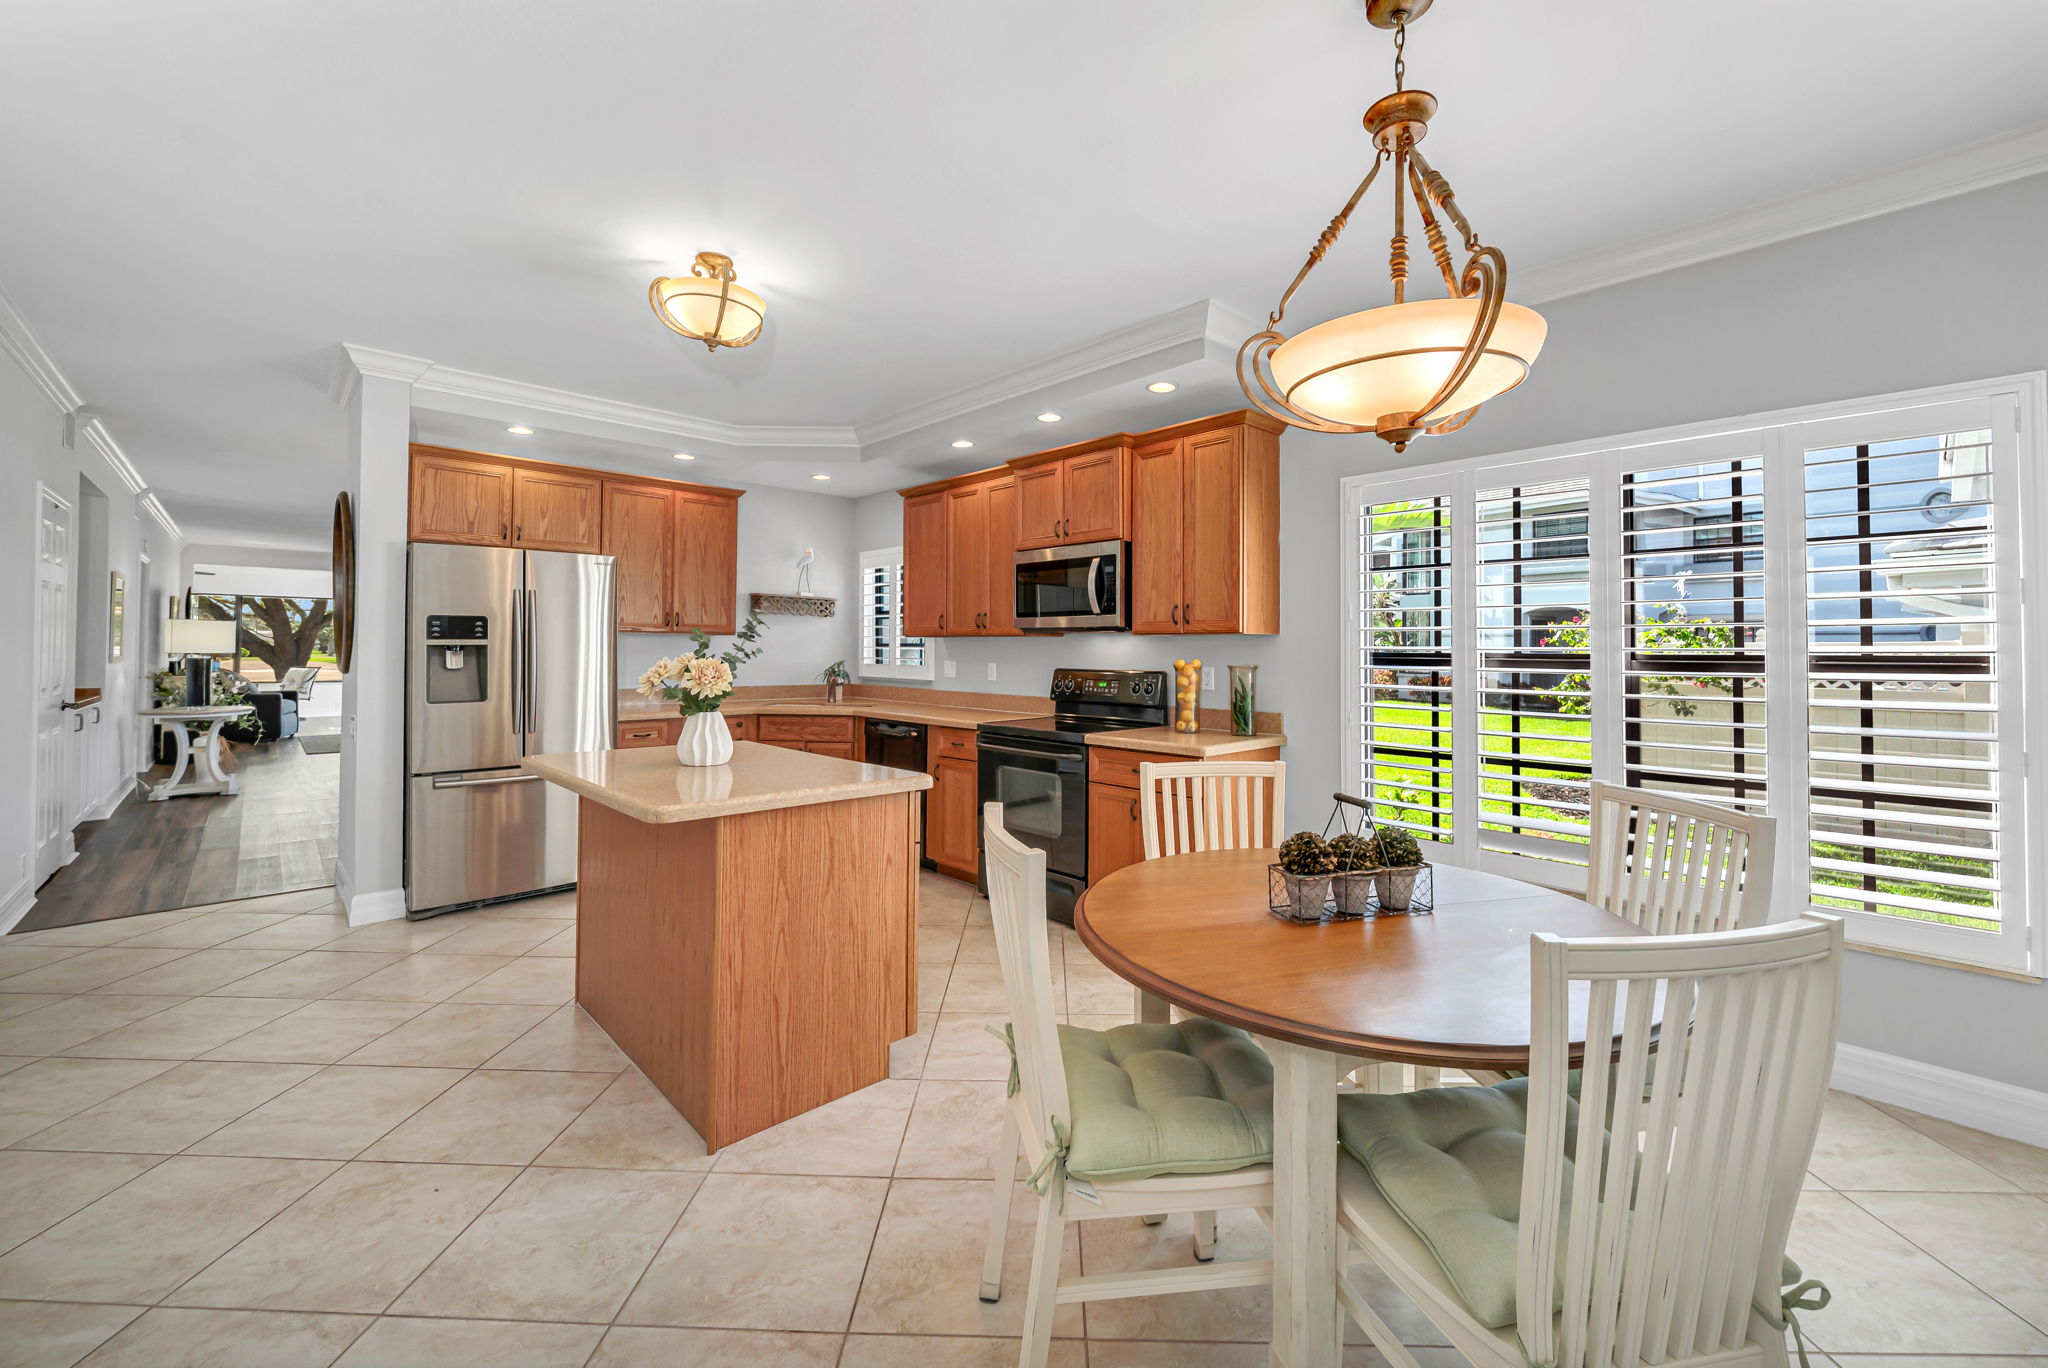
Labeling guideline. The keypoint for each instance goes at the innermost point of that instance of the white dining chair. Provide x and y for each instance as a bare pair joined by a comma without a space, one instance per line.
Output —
1675,866
1224,805
1133,1121
1528,1233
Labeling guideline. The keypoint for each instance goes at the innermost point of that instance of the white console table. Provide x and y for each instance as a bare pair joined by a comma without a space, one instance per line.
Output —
195,730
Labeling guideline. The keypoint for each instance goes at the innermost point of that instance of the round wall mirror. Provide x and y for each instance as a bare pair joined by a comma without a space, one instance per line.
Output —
344,582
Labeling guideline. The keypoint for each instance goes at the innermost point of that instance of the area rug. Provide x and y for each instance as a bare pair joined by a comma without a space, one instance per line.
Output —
329,744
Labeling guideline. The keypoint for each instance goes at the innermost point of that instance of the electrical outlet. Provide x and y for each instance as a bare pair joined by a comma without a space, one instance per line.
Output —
1208,679
991,671
952,668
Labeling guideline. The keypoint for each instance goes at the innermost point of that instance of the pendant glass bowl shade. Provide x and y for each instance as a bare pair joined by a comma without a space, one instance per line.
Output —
1389,361
718,313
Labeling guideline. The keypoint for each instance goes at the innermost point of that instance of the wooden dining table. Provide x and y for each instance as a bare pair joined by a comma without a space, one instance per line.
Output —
1445,989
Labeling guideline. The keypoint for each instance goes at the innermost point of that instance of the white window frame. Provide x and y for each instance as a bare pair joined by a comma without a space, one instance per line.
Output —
2019,412
884,558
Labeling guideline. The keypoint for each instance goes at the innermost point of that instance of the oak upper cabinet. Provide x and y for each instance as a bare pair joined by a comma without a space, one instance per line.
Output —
704,582
1205,538
925,572
967,540
1000,618
459,499
1063,500
555,510
637,535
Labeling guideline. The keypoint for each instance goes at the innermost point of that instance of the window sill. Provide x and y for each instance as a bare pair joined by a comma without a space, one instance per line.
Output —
1989,971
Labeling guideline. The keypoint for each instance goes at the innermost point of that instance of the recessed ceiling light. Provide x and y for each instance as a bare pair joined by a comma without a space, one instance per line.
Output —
684,456
520,431
963,443
1162,387
821,477
1048,417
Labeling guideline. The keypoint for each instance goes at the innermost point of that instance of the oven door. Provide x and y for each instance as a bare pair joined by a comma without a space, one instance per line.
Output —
1073,588
1043,788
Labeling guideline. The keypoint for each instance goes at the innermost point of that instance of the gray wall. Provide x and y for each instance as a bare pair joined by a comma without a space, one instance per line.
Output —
1945,292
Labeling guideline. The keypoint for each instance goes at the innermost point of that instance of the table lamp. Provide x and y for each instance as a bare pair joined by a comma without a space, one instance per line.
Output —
198,640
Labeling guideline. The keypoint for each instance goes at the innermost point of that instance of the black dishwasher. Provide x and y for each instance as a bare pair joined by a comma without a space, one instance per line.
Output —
900,745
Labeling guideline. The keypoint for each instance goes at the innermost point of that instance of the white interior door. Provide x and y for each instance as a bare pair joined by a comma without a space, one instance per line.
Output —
54,625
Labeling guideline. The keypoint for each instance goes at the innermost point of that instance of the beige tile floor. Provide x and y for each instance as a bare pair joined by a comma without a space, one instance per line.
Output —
248,1137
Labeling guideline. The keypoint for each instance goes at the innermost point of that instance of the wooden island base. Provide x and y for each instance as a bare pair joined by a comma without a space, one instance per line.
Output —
755,965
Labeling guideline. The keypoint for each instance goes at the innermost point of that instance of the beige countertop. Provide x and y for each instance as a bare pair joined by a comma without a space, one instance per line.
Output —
633,708
649,786
1196,745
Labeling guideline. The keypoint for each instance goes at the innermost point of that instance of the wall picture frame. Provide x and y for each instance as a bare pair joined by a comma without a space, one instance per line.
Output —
117,614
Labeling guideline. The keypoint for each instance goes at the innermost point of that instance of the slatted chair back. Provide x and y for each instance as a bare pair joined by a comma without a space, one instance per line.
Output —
1662,1251
1676,867
1016,899
1211,806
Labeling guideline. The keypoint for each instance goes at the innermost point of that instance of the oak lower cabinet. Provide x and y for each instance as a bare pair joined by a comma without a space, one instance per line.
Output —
653,731
834,736
1205,529
951,831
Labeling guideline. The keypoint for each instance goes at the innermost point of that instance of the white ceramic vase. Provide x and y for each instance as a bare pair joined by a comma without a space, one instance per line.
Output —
705,740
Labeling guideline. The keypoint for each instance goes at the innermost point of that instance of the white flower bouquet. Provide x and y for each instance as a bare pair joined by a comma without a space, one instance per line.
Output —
699,681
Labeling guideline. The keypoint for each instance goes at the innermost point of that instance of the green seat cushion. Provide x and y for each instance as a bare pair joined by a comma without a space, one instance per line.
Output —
1449,1160
1195,1096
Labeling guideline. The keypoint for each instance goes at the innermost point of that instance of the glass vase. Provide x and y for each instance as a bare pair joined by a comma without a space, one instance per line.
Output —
1244,699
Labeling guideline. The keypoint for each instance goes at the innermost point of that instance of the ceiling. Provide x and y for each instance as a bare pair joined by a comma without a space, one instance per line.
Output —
936,199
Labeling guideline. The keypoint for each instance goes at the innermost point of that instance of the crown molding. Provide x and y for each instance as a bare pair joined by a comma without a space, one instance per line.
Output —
95,432
1991,162
156,510
500,394
357,362
19,341
1201,322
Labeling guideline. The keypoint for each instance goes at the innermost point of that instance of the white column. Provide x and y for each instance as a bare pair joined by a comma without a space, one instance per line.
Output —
376,389
1306,1330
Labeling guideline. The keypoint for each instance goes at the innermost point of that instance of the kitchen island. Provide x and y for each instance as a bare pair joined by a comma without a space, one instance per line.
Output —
746,932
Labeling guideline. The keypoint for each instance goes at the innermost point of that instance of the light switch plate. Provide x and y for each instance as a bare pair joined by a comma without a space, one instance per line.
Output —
952,668
1208,679
991,670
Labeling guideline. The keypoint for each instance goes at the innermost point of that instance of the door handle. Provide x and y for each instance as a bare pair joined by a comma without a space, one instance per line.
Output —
1134,809
519,532
79,718
532,690
1094,578
95,714
446,781
1187,615
1176,614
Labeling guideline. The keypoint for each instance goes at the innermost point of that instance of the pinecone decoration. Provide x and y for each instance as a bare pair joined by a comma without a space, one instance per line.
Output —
1307,855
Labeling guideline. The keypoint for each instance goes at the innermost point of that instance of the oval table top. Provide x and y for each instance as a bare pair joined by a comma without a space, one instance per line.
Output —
1450,988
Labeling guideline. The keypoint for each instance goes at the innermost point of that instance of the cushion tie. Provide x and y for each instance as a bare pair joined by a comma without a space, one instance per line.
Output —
1009,1039
1050,1177
1811,1295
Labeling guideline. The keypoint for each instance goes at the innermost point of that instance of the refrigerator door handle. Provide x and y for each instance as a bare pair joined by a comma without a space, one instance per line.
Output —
530,721
445,781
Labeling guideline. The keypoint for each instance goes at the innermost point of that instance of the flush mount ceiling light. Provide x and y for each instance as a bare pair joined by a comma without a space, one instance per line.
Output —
707,304
520,431
1410,367
1048,417
1162,387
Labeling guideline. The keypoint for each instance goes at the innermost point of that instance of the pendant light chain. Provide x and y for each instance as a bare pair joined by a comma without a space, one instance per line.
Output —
1400,45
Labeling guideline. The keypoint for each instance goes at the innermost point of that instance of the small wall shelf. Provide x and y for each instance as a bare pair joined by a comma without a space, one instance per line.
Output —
795,605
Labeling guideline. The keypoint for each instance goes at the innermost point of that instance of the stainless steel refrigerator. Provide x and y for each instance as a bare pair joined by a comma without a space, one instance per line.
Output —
508,654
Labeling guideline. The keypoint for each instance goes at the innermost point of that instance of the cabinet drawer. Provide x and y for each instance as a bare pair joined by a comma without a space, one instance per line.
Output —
804,728
949,743
1107,766
839,750
742,728
652,733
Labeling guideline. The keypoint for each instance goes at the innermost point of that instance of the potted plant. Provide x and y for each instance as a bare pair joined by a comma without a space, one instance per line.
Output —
697,683
1357,862
836,679
1301,880
1400,861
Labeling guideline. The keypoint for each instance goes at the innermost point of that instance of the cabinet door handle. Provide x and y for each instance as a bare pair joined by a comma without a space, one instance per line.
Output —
505,530
1176,614
1187,615
519,532
1134,809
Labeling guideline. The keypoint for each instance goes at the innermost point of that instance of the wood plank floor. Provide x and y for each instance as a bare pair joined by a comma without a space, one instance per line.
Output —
277,835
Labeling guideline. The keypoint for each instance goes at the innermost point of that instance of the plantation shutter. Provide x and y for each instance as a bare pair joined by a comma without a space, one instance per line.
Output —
1406,556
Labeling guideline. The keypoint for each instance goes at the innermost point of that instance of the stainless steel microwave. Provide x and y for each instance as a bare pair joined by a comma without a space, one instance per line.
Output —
1083,588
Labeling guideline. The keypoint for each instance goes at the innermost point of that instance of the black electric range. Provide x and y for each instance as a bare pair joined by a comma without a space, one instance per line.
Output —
1037,767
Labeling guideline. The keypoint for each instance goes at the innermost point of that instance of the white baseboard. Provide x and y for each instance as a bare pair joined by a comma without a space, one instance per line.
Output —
1981,1103
104,808
344,885
381,905
15,905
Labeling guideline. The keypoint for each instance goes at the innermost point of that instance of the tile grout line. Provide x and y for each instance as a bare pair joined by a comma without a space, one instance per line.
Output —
1962,1277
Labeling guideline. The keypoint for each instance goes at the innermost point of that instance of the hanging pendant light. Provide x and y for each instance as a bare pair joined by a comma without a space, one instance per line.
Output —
1413,366
708,305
